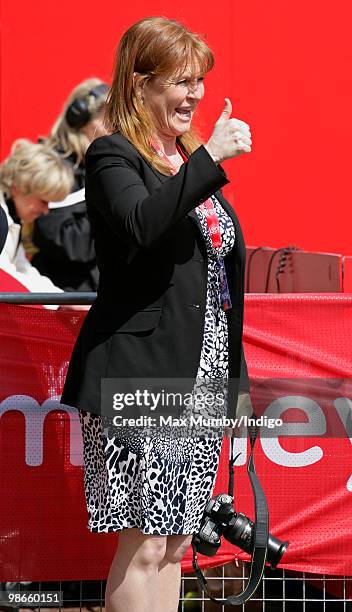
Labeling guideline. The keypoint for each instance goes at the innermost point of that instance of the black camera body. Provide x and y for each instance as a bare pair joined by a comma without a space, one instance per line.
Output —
221,519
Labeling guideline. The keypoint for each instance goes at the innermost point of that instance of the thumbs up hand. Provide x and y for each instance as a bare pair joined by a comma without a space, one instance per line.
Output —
230,137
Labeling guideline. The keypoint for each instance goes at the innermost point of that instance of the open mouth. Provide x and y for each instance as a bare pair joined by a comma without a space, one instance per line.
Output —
184,113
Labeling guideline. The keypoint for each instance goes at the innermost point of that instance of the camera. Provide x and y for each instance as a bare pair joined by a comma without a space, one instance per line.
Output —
220,519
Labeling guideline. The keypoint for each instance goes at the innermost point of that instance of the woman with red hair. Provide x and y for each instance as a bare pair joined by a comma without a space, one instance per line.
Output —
170,303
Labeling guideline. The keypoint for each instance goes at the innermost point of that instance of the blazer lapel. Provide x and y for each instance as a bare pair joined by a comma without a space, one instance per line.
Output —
192,214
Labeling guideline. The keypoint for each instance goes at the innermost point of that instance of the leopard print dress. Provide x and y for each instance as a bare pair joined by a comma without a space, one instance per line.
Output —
160,484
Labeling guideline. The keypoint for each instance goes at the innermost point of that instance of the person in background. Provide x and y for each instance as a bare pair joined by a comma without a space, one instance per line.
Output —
66,252
3,228
30,177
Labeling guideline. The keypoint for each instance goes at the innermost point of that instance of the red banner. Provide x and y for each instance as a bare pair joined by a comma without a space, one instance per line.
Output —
307,480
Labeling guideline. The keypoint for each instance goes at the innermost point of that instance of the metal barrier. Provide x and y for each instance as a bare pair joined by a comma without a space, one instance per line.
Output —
67,297
280,591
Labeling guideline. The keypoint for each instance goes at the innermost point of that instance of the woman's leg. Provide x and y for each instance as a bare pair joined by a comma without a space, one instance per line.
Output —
133,583
169,579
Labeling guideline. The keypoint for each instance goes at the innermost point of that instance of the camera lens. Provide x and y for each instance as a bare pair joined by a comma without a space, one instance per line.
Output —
276,549
240,533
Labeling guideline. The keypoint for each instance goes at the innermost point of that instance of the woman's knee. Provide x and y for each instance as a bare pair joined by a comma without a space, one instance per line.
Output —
143,550
177,547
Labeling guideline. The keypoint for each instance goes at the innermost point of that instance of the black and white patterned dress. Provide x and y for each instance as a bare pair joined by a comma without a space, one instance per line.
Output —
160,484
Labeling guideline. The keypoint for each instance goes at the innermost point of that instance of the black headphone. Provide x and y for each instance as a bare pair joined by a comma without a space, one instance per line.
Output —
78,113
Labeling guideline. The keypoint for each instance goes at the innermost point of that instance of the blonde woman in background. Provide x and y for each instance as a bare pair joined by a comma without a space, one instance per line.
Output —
66,252
30,177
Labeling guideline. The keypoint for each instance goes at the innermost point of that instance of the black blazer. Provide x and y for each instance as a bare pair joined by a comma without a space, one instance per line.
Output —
3,228
66,251
148,318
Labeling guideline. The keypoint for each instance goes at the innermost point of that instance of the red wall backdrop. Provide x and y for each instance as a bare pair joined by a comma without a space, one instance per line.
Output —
285,66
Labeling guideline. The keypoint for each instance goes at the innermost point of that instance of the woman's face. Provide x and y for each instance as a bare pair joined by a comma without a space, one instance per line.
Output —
172,106
29,207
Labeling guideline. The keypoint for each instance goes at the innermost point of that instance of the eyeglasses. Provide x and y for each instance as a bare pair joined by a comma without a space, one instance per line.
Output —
191,84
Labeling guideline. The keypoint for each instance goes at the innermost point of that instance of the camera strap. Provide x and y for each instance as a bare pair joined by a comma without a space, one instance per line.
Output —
261,531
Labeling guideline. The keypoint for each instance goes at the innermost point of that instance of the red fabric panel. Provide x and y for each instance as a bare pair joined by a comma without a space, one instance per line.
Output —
9,283
43,533
285,66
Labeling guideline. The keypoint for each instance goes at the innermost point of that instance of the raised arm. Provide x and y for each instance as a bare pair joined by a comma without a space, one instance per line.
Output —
114,185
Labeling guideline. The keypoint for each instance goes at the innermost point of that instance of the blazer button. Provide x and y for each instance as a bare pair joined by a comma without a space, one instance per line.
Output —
195,305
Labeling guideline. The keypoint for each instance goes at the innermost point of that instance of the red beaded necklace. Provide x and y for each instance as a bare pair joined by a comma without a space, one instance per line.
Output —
213,224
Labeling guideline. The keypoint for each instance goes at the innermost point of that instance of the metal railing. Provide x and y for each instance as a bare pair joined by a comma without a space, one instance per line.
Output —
67,297
280,591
